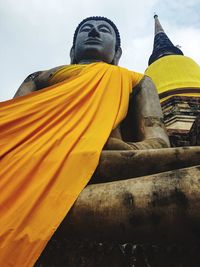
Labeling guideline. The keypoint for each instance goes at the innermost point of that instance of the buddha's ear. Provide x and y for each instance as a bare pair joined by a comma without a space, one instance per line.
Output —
117,56
72,56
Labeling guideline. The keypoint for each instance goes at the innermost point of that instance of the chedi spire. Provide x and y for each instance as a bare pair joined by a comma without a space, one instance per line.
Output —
162,44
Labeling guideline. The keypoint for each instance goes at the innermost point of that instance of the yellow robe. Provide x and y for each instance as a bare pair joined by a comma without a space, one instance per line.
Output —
50,143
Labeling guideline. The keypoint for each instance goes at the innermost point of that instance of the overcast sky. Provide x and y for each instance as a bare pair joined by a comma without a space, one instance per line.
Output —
37,34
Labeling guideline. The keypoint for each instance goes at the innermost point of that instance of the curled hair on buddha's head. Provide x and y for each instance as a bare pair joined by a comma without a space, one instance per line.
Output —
118,40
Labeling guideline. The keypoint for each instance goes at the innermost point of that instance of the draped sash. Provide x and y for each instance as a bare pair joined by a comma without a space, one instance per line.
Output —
50,144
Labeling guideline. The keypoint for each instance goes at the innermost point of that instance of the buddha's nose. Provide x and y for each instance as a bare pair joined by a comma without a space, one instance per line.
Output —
94,32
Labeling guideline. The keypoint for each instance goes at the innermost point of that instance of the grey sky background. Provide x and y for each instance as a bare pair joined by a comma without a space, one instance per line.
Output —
37,34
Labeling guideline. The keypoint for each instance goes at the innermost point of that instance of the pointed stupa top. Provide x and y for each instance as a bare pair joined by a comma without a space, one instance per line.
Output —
162,44
158,26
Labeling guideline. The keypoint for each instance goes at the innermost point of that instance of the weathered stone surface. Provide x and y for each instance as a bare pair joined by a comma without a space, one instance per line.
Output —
195,133
161,212
157,208
181,120
92,254
117,165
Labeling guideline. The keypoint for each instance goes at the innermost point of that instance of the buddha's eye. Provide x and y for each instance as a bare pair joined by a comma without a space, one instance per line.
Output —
86,28
104,29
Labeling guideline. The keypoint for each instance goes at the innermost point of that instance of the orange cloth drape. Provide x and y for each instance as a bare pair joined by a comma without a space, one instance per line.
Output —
50,143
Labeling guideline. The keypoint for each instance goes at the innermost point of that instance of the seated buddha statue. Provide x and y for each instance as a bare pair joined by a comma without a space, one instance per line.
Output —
135,143
97,39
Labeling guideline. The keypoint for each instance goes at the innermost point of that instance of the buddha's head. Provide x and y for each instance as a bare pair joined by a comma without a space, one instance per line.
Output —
96,39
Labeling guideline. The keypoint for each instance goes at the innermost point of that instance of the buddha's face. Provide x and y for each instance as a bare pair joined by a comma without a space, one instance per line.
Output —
95,41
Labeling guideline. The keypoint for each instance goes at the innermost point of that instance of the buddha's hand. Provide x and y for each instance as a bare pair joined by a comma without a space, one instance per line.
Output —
117,144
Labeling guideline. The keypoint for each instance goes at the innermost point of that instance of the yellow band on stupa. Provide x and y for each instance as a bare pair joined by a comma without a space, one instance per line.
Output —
175,75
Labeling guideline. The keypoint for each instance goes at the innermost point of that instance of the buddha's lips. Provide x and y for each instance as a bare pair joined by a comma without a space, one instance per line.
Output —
93,41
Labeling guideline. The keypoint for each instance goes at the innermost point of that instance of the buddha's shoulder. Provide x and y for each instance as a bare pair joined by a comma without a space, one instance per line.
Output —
46,74
41,78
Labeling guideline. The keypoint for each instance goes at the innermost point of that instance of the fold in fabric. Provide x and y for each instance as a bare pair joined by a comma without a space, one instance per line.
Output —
50,143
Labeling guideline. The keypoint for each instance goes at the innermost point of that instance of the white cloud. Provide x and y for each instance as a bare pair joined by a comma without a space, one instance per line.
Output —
37,35
189,40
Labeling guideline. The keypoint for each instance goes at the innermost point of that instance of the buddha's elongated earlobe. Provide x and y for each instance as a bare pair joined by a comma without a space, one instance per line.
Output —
72,56
117,56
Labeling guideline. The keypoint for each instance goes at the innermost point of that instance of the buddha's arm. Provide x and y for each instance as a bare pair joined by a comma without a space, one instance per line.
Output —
148,118
36,81
29,84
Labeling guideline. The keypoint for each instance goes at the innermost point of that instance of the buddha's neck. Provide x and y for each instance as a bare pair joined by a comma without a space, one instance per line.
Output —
88,61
